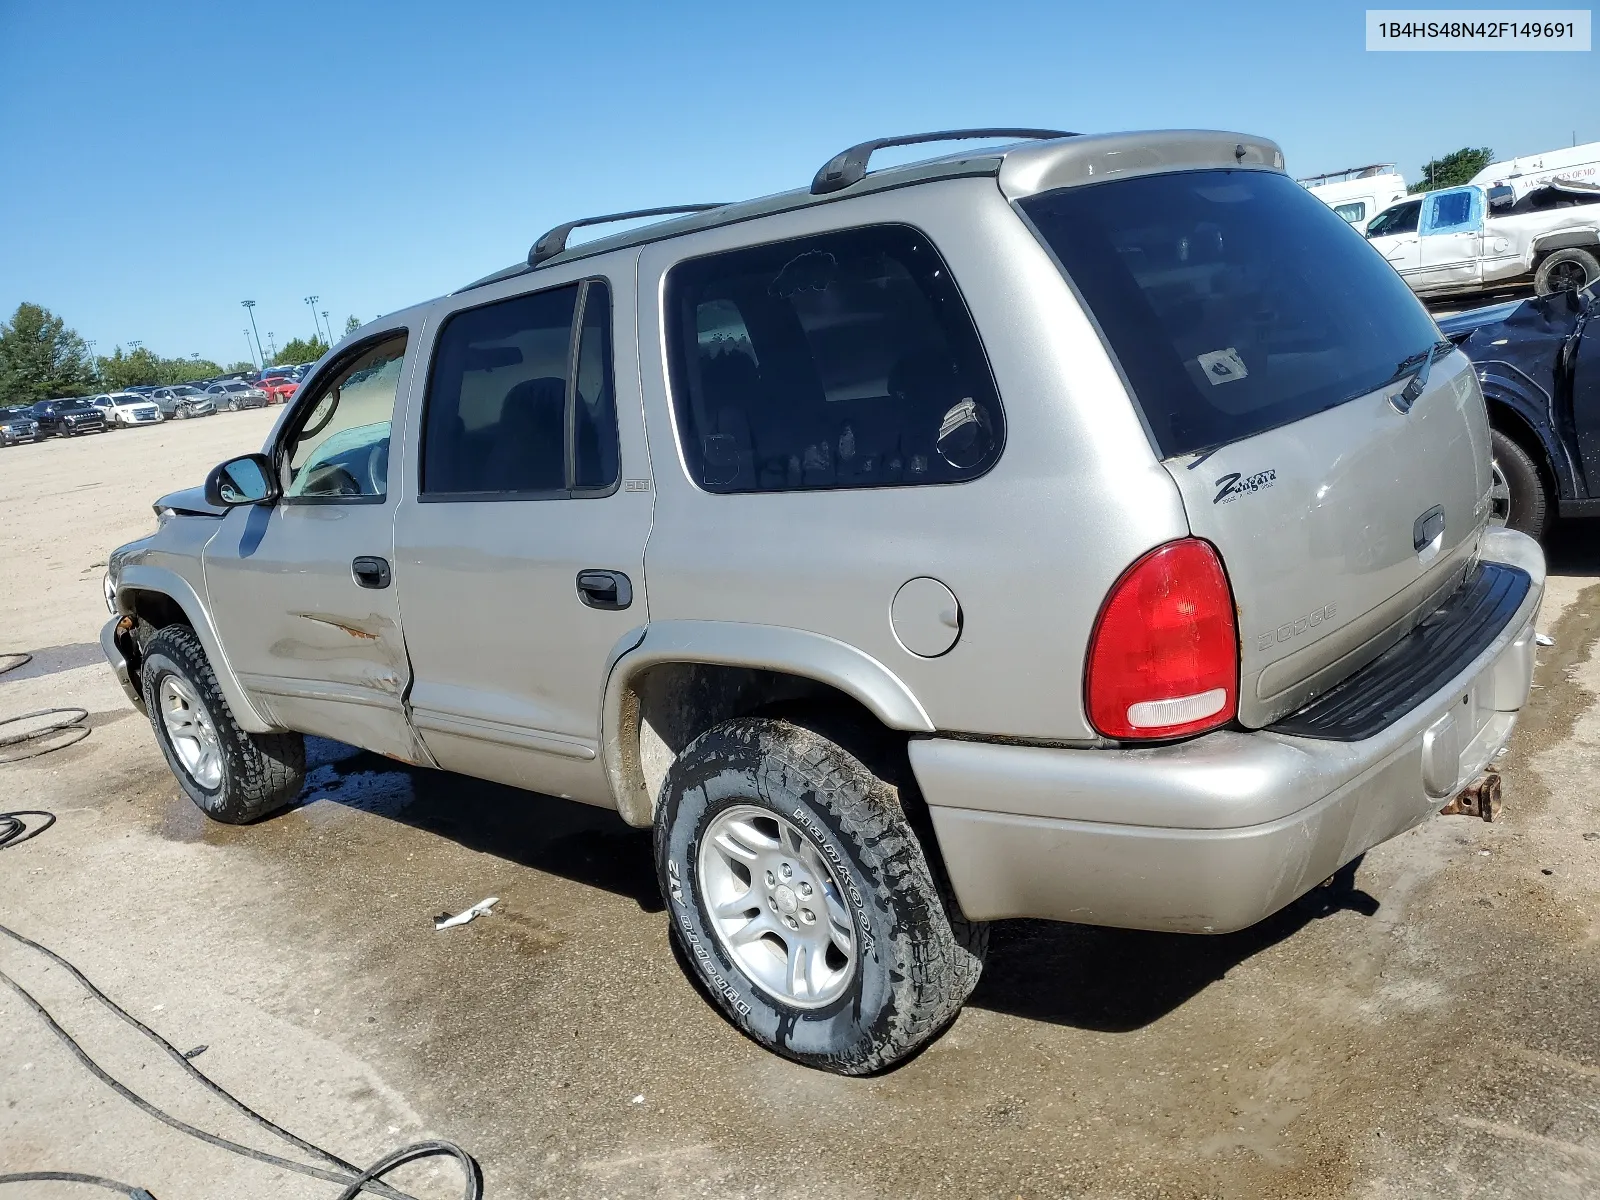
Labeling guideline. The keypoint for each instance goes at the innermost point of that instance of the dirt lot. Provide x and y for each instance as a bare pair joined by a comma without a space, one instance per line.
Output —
1435,1033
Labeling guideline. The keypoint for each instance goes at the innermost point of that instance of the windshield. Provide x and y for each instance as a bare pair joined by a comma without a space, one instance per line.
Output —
1234,301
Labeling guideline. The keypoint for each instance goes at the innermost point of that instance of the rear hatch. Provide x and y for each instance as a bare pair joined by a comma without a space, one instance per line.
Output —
1269,350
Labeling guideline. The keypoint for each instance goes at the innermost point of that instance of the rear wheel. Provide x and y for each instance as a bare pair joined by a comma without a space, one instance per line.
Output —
1566,271
1518,498
232,776
803,901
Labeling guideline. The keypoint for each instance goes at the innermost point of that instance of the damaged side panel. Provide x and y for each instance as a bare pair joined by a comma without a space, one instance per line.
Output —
317,650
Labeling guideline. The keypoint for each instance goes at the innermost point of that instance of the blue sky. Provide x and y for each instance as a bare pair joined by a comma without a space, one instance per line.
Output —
162,161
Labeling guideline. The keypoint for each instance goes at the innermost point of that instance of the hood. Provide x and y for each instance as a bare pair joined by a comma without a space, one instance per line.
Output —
1457,325
189,502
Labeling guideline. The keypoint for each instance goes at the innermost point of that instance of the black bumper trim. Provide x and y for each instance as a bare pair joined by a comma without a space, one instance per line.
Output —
1416,667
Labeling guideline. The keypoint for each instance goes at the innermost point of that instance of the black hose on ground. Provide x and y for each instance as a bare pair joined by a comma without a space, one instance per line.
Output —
69,721
355,1179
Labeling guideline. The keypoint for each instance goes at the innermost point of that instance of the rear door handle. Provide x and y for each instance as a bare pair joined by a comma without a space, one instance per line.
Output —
604,589
370,571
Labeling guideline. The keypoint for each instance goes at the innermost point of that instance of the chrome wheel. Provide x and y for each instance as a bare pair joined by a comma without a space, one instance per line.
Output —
1499,494
188,727
776,906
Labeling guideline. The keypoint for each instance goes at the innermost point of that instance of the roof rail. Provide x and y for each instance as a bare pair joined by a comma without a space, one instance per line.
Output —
554,242
850,166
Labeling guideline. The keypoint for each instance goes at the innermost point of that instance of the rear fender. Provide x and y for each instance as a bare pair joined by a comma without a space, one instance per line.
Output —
729,643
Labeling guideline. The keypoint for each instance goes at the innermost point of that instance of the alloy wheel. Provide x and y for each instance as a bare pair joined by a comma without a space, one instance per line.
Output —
1499,494
189,729
776,907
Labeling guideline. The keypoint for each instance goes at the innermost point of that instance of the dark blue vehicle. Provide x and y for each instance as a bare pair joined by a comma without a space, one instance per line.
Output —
1538,362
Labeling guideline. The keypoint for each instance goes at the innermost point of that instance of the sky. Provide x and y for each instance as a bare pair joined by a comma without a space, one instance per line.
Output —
160,162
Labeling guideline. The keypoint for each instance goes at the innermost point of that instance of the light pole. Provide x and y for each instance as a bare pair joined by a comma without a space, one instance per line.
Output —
94,365
329,324
272,343
250,345
250,307
311,303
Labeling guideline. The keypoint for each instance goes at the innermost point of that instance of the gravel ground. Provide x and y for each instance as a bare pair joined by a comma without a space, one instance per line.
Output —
1434,1033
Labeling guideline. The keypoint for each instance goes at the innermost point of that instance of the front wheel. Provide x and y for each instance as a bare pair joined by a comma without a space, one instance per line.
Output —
180,414
1566,270
1517,496
802,898
233,406
232,776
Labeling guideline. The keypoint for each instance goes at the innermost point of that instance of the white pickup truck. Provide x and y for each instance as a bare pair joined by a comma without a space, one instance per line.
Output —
1472,239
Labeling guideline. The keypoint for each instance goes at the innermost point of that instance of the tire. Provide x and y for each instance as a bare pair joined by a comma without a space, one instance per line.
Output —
1559,272
180,414
254,773
909,961
1520,500
233,406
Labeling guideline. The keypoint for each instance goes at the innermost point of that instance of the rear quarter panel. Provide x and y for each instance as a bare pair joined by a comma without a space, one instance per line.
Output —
1029,549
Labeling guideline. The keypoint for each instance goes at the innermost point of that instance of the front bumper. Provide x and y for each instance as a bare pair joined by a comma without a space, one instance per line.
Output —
110,645
1214,834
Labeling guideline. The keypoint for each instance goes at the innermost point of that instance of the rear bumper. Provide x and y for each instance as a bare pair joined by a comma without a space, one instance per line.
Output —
1214,834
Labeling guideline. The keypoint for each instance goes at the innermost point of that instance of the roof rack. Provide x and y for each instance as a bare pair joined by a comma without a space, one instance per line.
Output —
554,242
850,166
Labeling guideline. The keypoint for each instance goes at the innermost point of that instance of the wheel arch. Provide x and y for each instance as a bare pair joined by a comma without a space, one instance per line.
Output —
1511,413
162,597
682,677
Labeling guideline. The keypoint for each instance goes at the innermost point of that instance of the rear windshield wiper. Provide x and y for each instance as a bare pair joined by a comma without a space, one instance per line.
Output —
1417,367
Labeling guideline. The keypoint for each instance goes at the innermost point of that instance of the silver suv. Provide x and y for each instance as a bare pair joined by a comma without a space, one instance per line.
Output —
1093,528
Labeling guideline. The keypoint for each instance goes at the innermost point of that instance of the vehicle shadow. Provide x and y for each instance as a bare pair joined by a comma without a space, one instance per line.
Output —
1107,980
575,841
1119,980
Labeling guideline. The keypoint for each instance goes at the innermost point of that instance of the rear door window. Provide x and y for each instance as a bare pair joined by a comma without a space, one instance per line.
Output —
843,360
1234,301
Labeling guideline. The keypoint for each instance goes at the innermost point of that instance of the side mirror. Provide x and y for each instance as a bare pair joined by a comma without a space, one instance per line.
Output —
1501,197
242,481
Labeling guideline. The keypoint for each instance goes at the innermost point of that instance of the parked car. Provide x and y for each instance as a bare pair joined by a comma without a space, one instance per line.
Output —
235,395
183,401
279,383
1538,363
1468,239
127,408
17,425
1022,538
68,417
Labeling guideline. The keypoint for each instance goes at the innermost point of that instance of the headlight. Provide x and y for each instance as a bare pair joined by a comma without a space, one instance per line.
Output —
163,515
110,590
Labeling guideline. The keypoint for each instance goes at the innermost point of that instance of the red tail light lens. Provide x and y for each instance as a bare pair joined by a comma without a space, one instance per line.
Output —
1164,659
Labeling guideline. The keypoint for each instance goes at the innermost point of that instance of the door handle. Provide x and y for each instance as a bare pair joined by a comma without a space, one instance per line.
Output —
370,571
604,589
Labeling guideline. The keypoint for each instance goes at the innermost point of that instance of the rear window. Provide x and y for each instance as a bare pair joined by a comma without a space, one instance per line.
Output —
845,360
1234,301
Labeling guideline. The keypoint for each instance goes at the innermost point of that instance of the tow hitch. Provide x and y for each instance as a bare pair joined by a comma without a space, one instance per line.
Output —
1480,798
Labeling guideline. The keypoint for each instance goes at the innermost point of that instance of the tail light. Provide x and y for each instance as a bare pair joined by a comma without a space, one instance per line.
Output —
1164,658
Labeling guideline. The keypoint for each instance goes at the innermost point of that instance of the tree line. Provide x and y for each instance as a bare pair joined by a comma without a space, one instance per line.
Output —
41,358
